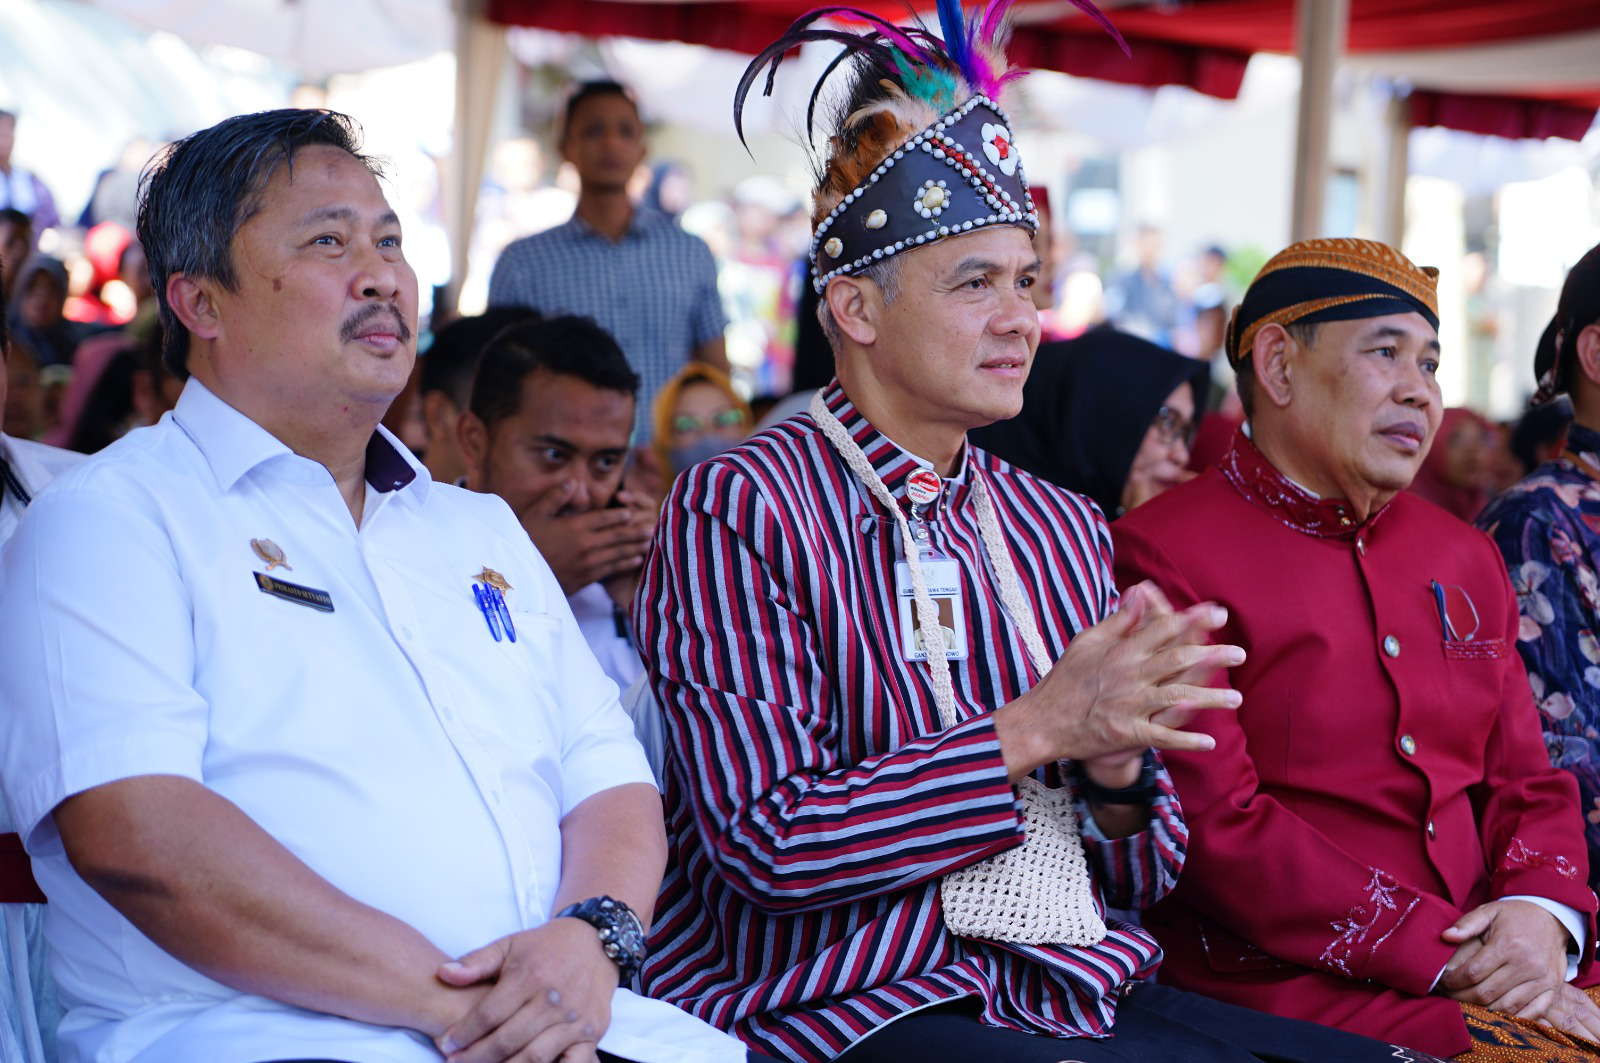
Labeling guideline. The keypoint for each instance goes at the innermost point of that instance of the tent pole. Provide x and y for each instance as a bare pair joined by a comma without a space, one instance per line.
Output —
1397,166
1320,29
480,51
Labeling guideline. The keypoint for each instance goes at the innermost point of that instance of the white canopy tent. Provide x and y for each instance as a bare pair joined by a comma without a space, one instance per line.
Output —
324,37
319,38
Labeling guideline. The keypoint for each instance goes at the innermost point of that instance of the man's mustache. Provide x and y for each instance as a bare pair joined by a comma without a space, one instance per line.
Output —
352,328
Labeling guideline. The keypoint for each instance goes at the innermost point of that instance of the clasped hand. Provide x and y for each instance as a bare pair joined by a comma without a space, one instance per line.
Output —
1512,958
549,999
1122,686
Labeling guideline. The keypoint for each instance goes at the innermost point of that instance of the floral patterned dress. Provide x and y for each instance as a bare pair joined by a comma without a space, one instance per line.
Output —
1548,529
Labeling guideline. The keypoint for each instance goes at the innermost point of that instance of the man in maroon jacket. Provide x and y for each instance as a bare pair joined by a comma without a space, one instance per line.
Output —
1378,841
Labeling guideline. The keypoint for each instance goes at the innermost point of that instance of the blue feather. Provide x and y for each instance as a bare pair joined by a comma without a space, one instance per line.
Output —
953,25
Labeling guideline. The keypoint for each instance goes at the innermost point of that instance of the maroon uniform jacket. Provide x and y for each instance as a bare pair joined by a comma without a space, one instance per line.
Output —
1386,772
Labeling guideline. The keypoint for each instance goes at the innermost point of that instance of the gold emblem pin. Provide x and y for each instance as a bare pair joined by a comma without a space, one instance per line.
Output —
493,579
271,553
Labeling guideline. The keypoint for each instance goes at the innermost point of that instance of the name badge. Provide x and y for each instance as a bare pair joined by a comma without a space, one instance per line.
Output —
943,578
293,592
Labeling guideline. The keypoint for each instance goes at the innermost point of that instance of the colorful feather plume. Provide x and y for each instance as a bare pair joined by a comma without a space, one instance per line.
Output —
905,77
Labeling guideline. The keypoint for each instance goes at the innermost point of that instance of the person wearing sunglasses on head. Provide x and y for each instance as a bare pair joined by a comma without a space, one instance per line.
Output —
1108,415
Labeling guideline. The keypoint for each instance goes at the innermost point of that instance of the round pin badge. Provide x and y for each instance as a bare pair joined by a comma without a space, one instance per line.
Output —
923,487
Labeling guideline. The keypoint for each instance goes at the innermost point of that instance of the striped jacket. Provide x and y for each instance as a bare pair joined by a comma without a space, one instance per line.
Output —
814,799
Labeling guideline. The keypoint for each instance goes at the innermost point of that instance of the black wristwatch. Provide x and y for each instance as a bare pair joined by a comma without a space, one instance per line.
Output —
621,933
1141,792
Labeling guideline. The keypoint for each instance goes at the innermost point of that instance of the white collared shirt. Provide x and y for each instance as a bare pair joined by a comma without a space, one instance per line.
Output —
33,465
392,744
598,619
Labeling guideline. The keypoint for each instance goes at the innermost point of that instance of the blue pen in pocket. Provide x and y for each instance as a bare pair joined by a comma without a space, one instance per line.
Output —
486,605
1441,598
504,611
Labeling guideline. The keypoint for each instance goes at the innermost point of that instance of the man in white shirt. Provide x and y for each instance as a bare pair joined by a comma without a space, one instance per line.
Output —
27,1030
547,430
306,749
20,188
25,466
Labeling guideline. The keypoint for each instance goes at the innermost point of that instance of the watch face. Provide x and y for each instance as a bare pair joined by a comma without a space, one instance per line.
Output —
630,934
621,933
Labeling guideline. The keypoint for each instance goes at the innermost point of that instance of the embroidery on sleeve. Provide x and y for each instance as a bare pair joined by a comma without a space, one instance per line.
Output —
1519,855
1410,1056
1360,924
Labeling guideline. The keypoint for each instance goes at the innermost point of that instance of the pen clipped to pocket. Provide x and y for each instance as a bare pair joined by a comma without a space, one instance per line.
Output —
1459,624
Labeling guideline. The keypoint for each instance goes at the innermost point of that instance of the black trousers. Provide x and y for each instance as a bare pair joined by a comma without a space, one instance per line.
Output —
1155,1024
605,1057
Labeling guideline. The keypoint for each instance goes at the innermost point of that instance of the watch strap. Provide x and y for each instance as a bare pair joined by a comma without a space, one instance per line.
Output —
621,932
1142,792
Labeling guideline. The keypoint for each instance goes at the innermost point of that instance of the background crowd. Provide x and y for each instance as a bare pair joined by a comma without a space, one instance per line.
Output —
86,335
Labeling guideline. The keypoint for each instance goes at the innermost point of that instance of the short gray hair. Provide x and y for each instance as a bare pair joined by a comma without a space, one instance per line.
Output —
885,273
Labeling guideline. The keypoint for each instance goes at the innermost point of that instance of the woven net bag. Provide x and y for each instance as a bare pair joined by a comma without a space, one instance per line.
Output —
1035,894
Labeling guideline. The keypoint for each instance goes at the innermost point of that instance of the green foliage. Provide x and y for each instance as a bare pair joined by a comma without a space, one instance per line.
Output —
1243,264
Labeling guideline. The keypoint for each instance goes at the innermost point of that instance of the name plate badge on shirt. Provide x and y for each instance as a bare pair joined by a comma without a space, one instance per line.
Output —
943,577
322,601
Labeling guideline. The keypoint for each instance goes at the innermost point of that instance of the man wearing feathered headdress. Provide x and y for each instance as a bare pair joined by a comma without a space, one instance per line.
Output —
910,760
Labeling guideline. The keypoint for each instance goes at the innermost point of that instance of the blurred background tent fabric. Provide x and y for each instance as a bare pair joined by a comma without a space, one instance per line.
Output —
1485,66
320,37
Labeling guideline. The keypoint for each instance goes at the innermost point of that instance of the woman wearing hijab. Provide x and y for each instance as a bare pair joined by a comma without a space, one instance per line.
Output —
698,415
35,317
1107,415
1455,474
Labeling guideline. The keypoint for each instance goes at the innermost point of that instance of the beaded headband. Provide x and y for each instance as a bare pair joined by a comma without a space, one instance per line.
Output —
921,150
960,173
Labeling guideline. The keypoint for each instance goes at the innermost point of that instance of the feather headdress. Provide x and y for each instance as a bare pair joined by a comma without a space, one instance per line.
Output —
904,79
918,148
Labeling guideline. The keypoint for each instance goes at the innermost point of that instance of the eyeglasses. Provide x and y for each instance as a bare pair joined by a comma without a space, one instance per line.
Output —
686,423
1173,427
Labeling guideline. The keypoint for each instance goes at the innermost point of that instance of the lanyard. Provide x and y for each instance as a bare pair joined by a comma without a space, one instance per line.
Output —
13,484
994,545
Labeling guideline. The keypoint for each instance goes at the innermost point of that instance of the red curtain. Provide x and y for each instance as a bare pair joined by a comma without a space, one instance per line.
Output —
1203,44
1501,116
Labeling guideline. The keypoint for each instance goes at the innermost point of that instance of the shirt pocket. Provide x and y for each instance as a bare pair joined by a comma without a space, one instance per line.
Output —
1475,677
1476,650
526,683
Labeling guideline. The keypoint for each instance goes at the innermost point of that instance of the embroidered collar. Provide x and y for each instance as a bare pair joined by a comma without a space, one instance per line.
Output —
894,464
1260,482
